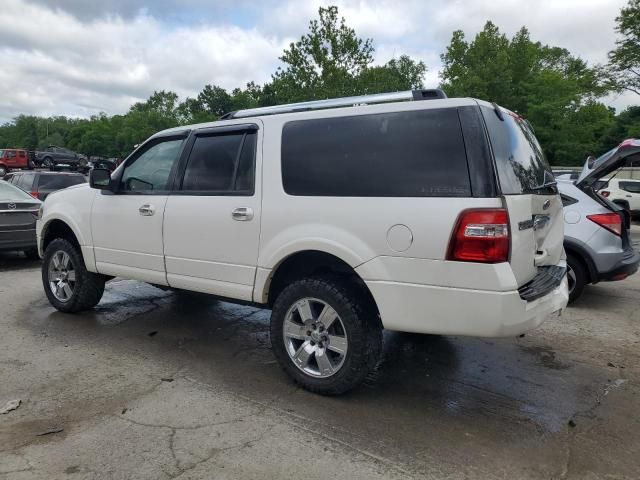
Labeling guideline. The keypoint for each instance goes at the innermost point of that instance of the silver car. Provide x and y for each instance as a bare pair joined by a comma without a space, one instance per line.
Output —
597,239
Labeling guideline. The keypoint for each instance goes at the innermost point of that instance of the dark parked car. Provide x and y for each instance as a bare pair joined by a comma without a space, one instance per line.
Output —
57,157
18,215
41,184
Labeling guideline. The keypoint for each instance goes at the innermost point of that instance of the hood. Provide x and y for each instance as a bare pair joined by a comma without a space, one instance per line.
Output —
612,160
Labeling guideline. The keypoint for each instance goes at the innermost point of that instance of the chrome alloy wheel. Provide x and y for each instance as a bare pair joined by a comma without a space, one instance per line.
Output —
571,278
62,276
315,337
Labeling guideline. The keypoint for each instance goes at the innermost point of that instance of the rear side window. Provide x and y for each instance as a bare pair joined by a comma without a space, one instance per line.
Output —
25,181
221,164
58,182
403,154
520,162
631,187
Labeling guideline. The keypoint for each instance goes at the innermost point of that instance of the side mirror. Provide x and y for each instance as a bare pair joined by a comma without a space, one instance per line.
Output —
591,160
100,178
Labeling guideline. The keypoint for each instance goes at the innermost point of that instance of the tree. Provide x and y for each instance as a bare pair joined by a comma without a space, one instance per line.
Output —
323,63
624,60
546,84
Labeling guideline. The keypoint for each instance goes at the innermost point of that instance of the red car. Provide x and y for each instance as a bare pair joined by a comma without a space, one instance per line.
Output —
12,158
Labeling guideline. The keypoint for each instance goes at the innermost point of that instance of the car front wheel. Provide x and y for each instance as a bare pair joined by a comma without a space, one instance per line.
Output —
325,334
69,286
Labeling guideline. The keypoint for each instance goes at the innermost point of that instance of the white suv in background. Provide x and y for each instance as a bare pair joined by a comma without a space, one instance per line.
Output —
406,211
624,192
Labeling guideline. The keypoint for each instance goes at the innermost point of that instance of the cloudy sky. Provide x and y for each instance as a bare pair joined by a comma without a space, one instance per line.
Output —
80,57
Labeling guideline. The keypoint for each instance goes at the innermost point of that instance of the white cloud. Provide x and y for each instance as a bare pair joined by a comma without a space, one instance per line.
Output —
76,57
61,65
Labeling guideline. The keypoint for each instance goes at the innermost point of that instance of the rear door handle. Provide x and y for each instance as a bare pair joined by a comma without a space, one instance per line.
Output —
147,210
242,214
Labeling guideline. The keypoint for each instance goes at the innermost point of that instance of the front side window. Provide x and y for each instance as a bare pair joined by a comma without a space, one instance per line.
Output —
631,187
221,164
150,171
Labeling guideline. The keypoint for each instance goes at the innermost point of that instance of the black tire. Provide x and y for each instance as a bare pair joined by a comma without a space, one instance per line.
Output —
3,171
47,162
32,253
361,326
88,288
577,277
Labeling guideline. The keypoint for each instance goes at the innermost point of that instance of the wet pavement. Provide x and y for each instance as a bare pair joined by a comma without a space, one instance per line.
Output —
158,384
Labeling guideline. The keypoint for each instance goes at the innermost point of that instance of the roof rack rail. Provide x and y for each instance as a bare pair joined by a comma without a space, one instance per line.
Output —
427,94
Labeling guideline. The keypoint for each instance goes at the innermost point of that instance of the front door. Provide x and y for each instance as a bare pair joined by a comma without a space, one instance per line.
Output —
212,220
127,224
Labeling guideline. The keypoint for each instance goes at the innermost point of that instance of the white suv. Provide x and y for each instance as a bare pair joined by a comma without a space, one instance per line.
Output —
346,216
624,192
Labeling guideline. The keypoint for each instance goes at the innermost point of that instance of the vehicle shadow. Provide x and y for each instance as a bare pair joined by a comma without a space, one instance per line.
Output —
10,260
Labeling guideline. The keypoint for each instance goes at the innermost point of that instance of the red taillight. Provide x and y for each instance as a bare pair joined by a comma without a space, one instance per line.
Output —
34,194
610,221
605,194
480,235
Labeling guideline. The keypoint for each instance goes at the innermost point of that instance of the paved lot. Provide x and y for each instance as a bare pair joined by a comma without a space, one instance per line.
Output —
155,384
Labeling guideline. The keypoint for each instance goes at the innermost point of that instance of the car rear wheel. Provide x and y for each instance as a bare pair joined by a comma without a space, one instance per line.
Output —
3,171
69,286
325,334
576,277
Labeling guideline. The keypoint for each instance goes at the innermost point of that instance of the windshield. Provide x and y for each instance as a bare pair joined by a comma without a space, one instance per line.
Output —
9,193
520,162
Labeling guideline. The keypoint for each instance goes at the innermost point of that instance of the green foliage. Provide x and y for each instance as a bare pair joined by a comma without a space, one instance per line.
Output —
624,60
554,90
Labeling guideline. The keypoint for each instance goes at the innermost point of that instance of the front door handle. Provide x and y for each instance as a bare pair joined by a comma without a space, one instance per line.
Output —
242,214
147,210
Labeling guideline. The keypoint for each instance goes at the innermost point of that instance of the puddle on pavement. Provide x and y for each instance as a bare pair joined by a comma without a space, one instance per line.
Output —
495,382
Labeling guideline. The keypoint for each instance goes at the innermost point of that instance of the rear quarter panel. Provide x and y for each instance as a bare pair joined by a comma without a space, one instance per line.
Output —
356,229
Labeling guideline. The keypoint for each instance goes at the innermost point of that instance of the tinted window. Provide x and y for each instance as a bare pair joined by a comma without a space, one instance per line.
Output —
632,187
150,170
404,154
58,182
521,165
221,163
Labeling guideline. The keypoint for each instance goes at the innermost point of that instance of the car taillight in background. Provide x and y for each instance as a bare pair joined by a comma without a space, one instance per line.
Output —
480,235
605,194
34,194
610,221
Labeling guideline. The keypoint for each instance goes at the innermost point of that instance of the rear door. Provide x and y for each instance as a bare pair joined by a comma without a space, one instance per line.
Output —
212,219
529,192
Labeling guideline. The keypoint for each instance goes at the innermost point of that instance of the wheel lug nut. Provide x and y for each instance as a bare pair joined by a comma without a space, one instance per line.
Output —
308,332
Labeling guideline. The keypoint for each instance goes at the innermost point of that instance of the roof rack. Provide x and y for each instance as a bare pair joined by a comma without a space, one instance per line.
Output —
428,94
